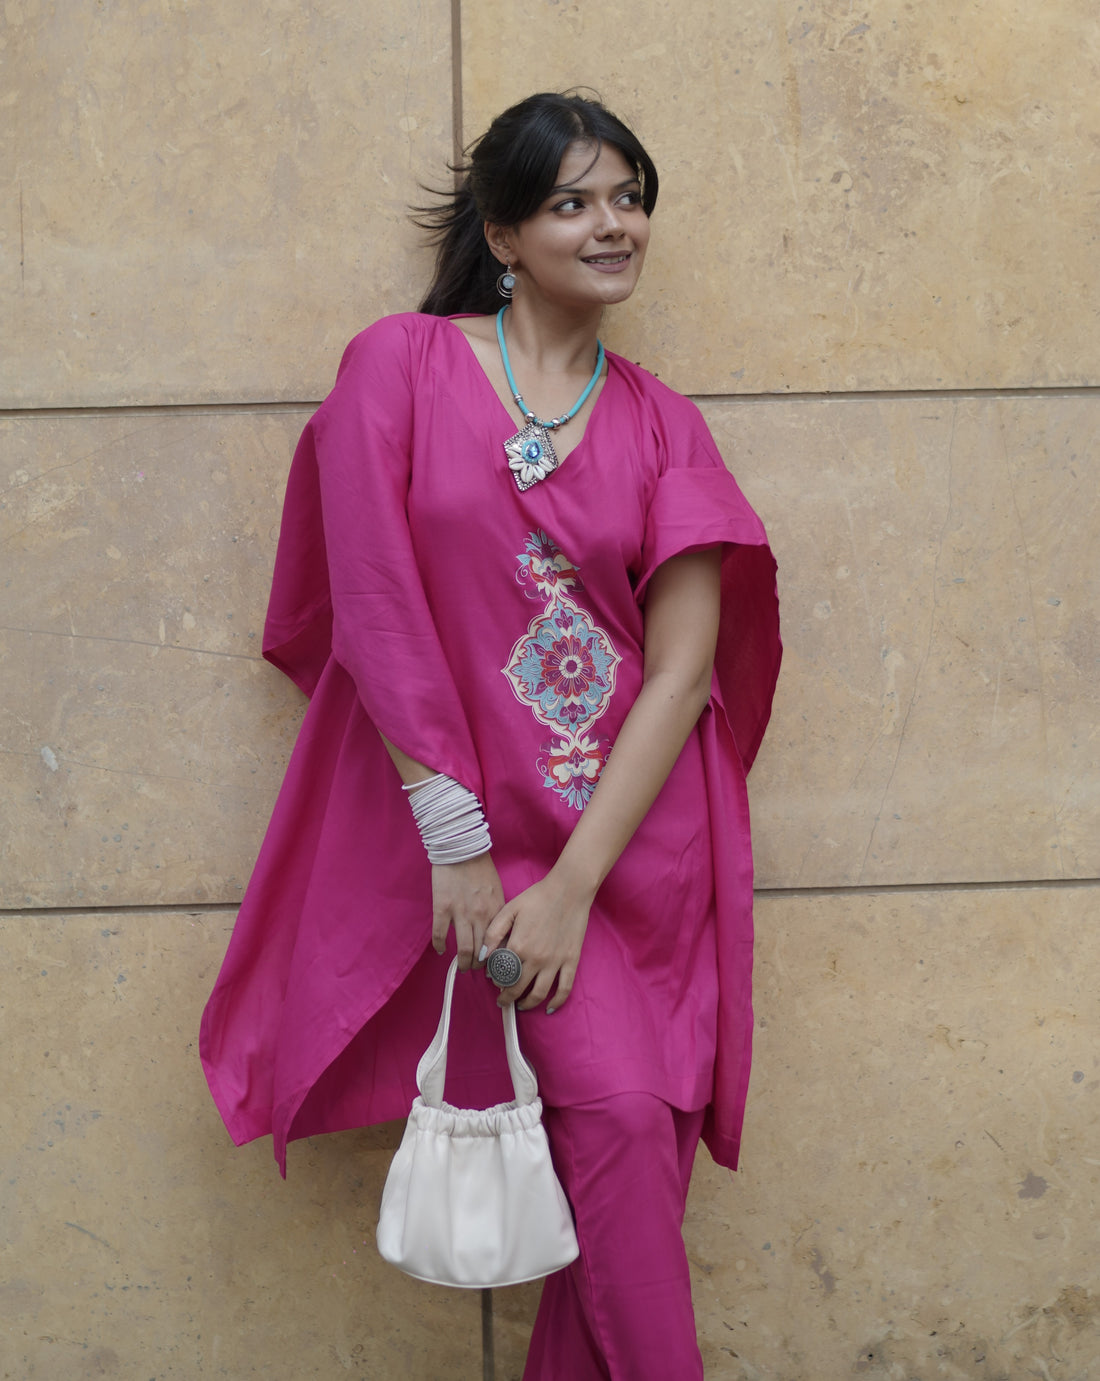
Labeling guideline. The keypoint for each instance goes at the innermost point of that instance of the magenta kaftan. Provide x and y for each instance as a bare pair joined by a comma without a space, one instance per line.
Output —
495,636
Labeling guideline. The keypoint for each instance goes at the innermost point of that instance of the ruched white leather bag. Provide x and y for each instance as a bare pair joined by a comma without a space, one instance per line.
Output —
472,1198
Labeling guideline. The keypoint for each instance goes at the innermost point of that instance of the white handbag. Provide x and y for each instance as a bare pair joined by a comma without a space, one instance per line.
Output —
471,1198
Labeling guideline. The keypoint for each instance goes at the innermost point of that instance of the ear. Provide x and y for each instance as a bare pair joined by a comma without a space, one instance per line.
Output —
499,240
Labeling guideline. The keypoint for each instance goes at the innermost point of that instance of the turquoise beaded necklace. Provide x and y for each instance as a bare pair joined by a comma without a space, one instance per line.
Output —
531,454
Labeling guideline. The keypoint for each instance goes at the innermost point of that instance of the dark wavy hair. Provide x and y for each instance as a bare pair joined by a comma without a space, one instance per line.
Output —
509,172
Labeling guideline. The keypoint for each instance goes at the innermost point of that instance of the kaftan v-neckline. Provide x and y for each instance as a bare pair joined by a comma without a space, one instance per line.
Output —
513,416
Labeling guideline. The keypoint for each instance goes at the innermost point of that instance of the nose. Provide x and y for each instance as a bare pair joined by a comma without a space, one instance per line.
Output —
610,222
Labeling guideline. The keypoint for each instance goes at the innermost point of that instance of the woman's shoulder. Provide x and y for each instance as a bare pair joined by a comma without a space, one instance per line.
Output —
392,345
389,331
653,393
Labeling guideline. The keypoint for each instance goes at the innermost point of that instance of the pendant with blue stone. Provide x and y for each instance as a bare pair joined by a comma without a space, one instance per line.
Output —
530,455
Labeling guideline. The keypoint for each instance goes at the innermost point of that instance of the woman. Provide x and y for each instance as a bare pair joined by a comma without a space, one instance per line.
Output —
484,585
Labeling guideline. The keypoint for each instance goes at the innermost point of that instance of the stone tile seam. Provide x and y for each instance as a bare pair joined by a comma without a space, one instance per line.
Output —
889,888
761,894
130,909
275,405
457,116
128,642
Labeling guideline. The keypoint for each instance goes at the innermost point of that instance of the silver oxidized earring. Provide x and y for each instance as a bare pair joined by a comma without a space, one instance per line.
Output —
506,283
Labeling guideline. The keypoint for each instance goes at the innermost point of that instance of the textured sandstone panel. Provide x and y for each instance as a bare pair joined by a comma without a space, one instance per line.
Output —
143,737
919,1187
138,1241
856,196
203,202
937,712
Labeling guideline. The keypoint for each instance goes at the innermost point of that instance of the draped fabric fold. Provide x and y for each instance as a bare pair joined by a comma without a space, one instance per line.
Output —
346,581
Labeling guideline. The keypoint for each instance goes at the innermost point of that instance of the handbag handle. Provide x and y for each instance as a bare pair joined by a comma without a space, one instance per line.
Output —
431,1072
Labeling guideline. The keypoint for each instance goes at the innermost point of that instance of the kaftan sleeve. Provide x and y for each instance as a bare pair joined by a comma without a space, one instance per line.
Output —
696,503
346,584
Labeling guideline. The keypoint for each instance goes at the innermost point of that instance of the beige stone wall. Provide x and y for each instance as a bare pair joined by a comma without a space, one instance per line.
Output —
887,213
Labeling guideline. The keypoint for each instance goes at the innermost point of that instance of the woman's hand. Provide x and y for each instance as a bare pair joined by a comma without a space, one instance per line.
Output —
466,895
545,926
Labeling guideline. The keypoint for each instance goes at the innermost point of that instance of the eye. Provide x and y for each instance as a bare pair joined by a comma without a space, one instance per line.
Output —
569,204
631,199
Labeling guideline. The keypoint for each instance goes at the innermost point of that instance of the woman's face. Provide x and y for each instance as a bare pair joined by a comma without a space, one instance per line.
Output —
585,244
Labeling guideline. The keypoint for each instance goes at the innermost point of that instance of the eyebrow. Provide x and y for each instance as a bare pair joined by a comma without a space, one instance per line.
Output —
576,187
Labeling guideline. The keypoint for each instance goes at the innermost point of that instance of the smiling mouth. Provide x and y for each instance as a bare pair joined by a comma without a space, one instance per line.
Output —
610,259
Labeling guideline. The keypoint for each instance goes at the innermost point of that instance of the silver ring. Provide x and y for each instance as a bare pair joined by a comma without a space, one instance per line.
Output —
504,967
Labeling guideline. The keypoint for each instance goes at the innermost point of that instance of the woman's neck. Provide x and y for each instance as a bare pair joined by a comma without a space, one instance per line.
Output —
550,338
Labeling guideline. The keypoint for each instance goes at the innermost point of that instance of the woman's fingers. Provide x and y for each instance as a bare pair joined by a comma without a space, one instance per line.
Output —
469,937
499,928
441,923
537,984
464,940
467,896
517,991
566,974
540,989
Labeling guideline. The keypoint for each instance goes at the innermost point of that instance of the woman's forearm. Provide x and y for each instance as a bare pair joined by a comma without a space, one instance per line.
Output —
408,769
681,632
645,752
465,895
546,923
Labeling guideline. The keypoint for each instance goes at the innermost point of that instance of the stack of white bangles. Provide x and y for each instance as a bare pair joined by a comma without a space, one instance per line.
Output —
450,819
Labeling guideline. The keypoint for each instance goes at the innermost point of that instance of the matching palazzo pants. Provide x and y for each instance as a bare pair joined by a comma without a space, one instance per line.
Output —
622,1311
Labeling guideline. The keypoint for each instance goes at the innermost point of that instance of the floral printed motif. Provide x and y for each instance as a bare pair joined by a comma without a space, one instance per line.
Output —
572,767
563,668
544,567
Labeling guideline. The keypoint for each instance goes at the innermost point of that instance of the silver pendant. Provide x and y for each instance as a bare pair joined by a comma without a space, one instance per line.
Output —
530,455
